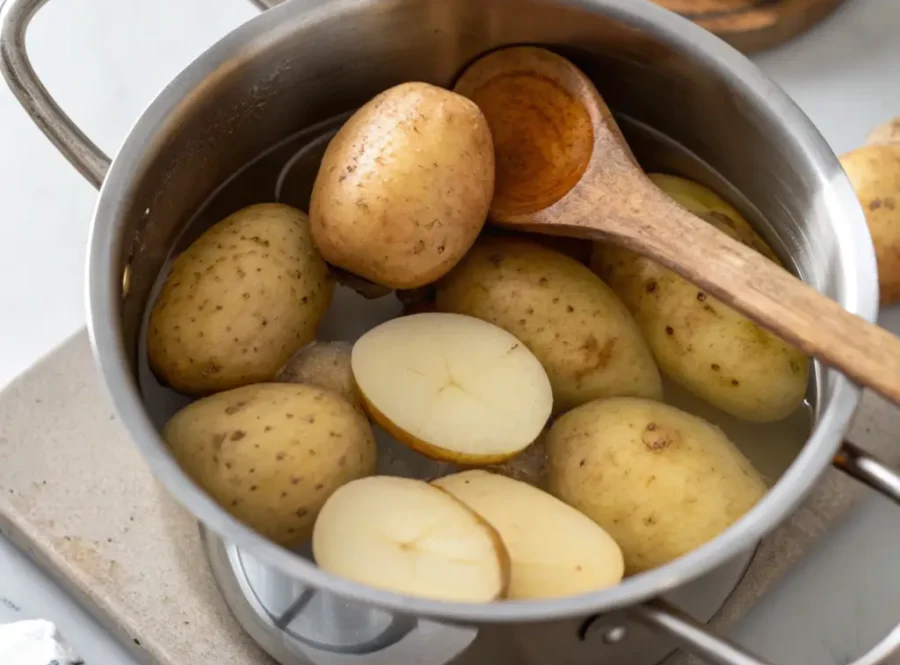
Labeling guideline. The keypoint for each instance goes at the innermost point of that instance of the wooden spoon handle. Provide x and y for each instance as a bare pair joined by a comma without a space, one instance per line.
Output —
769,295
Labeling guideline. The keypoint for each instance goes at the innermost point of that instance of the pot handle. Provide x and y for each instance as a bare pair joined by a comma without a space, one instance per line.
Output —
694,636
82,153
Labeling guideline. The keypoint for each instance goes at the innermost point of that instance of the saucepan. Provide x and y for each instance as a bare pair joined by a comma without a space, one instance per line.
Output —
307,60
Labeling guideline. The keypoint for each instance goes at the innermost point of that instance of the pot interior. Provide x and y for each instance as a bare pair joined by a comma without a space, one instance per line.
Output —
286,173
218,137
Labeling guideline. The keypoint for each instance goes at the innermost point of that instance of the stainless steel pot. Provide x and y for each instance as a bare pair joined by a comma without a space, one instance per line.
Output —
307,60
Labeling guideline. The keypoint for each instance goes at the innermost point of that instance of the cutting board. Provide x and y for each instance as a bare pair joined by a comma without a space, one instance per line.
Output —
753,25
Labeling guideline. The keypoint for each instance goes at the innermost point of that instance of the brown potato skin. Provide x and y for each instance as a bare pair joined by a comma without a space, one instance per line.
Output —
887,133
405,186
325,365
574,324
239,302
874,172
659,480
272,453
699,342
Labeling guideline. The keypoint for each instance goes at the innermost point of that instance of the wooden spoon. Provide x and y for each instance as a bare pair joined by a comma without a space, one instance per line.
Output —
564,168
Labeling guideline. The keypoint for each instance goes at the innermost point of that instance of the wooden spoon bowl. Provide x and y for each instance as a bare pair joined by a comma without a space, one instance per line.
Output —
564,168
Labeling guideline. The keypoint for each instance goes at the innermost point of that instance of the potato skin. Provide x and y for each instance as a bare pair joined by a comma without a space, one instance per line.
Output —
700,343
324,365
660,481
272,453
529,466
405,186
576,326
886,133
874,172
705,203
239,302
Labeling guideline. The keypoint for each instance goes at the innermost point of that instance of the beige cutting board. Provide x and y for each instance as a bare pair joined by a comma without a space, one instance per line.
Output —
78,498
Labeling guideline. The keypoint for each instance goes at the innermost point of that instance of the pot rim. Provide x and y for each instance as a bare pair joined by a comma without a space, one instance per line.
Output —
103,305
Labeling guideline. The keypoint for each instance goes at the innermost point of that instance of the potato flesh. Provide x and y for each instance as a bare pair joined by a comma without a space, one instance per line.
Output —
554,550
405,536
660,481
453,387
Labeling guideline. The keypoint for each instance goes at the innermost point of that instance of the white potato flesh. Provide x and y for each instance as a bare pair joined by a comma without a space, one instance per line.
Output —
408,537
453,387
554,550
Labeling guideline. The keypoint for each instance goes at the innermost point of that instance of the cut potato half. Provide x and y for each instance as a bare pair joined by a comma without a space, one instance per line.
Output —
406,536
554,550
453,387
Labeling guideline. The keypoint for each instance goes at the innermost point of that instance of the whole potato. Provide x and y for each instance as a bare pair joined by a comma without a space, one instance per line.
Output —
888,132
272,453
325,365
576,326
711,207
700,343
529,466
874,172
660,481
405,186
239,301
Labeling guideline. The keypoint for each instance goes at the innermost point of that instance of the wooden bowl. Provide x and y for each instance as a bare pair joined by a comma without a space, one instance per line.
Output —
753,25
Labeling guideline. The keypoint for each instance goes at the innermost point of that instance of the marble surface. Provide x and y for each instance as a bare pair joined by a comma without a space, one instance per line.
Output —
97,58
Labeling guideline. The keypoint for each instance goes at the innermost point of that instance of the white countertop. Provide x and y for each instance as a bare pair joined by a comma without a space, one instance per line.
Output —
95,57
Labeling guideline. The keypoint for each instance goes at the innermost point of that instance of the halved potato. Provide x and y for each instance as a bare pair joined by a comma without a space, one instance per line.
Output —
405,536
453,387
554,549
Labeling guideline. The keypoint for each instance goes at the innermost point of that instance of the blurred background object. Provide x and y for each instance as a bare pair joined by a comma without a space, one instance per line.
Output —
753,25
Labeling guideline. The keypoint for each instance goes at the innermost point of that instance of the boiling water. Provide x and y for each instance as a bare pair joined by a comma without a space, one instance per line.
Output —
286,173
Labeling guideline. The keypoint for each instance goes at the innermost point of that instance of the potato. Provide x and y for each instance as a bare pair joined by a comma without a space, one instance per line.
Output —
700,343
325,365
405,186
575,325
272,453
406,536
889,133
417,301
659,480
554,550
239,302
874,172
452,387
705,203
529,466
